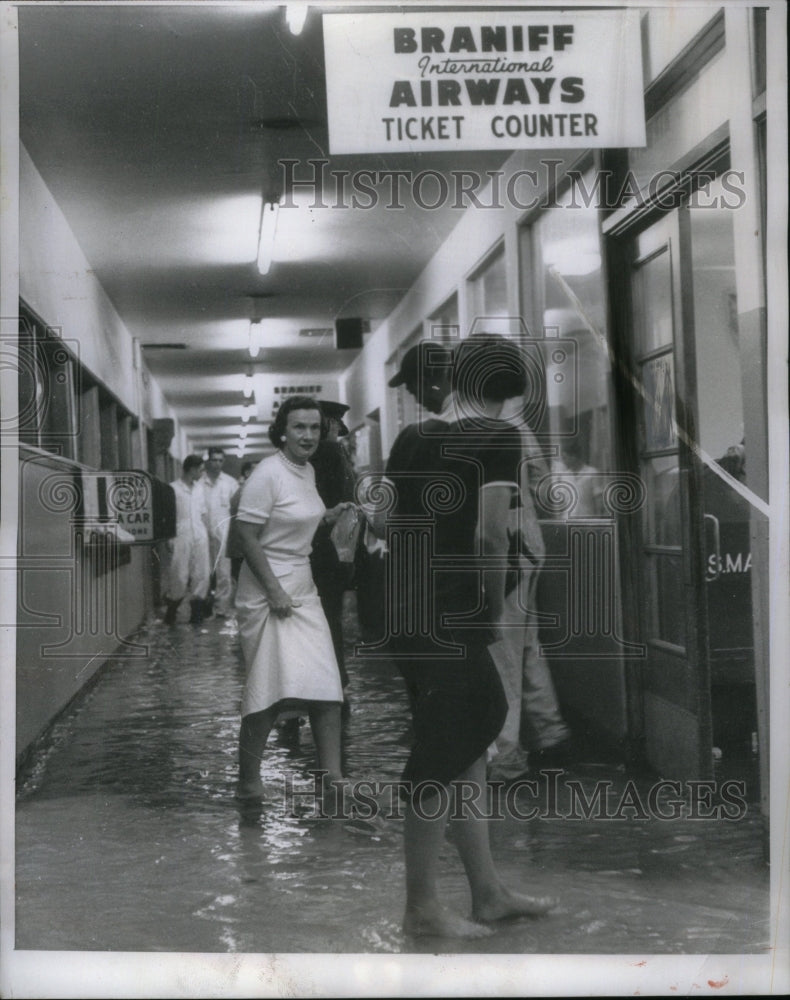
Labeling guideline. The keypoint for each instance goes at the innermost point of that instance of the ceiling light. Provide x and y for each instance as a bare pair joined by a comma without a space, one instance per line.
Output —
268,229
248,384
243,434
245,416
256,335
295,16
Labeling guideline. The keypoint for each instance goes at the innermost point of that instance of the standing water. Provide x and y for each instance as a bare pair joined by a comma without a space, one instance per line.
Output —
128,837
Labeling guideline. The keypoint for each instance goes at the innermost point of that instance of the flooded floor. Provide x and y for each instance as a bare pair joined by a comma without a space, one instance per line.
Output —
128,837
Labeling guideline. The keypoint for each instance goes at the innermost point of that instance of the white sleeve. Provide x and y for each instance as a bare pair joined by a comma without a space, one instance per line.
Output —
258,496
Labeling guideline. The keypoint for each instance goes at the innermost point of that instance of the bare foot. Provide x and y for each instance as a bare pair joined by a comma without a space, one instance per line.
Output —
435,921
508,905
249,791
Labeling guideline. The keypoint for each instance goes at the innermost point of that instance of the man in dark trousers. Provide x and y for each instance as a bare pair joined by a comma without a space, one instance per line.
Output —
334,480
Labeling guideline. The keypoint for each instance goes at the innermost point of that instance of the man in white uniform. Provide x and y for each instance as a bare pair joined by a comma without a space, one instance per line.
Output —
219,488
188,566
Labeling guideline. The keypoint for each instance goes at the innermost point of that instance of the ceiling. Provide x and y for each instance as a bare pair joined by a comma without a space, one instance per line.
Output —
158,129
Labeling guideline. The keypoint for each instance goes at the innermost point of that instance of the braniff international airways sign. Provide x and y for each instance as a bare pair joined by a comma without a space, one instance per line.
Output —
417,81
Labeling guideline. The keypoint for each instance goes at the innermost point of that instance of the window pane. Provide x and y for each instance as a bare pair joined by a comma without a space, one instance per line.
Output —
719,391
666,603
658,383
571,310
58,417
661,513
653,303
444,323
30,386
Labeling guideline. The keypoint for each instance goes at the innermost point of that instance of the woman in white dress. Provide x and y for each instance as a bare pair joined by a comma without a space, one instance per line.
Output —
285,639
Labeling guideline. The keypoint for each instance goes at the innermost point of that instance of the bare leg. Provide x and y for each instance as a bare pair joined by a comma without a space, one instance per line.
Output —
423,840
325,723
491,898
254,733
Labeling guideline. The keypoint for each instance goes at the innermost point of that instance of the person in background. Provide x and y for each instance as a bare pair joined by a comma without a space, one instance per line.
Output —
535,733
219,488
188,564
285,639
583,479
233,545
334,480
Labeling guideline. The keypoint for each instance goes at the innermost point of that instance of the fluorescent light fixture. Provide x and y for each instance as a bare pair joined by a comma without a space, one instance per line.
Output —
248,383
269,213
295,16
256,336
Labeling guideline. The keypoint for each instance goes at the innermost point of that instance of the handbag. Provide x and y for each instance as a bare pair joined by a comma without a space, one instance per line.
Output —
345,534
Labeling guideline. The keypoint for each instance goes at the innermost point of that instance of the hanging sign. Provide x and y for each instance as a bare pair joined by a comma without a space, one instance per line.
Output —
418,82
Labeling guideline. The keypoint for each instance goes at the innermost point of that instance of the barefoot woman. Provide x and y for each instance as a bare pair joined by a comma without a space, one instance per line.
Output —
458,472
285,638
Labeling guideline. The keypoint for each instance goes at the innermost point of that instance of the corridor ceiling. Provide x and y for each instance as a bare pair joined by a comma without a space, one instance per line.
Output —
158,129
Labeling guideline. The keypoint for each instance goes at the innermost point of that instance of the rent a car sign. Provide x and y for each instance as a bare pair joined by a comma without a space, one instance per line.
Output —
417,81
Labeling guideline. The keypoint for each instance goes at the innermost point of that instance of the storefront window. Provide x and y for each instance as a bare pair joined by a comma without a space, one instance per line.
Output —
570,310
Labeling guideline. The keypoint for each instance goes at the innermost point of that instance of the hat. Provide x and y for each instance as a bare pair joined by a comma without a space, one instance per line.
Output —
426,354
335,411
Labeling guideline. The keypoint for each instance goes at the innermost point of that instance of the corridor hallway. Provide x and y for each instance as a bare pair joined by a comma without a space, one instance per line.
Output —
128,837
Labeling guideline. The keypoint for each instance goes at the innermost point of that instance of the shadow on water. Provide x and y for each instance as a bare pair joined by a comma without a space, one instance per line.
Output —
128,837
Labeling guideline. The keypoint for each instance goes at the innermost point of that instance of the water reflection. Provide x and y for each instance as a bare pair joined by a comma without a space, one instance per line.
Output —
129,839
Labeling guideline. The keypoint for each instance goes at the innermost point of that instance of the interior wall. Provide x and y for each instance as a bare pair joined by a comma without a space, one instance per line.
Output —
58,283
58,578
71,617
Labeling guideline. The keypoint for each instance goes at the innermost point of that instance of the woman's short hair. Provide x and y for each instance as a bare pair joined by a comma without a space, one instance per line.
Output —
277,427
489,366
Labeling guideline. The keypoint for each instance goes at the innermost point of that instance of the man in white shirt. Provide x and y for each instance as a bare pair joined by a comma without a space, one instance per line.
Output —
219,488
188,565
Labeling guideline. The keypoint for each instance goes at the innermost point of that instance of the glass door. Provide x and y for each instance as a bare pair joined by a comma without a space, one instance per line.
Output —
672,607
694,554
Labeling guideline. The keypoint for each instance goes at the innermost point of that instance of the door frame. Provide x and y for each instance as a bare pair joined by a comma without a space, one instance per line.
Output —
620,235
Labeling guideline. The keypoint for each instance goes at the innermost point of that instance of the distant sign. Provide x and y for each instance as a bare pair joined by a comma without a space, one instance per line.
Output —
129,502
416,81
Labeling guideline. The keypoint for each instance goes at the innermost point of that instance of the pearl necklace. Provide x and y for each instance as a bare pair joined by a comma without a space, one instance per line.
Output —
293,465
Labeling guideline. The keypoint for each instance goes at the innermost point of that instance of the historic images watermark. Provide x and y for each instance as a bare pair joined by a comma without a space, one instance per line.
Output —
551,795
583,622
317,187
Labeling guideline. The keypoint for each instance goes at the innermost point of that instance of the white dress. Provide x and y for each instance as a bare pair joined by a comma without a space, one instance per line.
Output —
287,659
